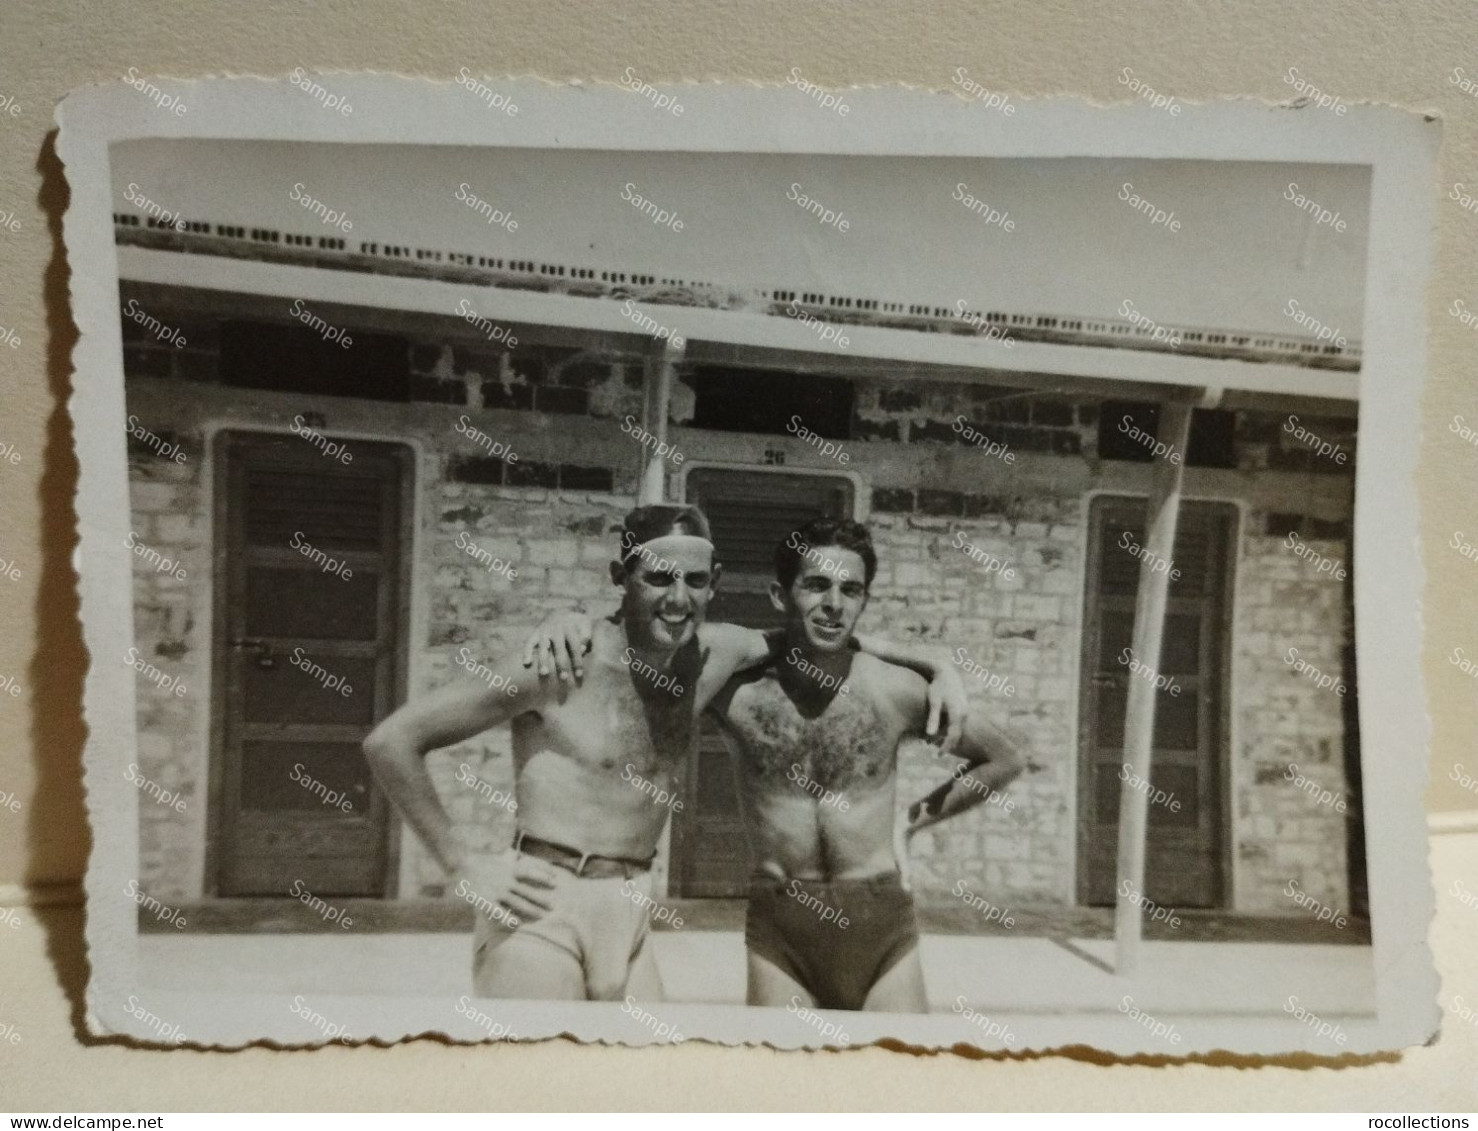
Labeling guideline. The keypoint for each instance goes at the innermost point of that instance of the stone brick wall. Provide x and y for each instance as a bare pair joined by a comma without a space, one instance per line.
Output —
1283,719
171,632
551,514
1024,628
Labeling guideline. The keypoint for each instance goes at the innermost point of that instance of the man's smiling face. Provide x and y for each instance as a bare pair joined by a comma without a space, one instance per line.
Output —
668,583
825,599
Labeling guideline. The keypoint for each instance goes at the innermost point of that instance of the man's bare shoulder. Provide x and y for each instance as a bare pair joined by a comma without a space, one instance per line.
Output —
902,689
607,640
732,642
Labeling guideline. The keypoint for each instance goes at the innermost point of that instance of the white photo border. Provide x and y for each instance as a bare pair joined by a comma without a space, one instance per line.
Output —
1398,145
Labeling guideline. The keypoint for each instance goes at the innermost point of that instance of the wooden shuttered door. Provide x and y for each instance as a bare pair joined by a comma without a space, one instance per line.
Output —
310,621
1187,848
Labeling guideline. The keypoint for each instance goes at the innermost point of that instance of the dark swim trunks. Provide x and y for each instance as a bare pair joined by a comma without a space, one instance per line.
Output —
796,926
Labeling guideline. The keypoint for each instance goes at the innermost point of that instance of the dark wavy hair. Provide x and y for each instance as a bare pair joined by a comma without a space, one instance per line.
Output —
821,532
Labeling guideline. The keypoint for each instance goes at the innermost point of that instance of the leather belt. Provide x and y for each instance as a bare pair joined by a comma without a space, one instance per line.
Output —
589,865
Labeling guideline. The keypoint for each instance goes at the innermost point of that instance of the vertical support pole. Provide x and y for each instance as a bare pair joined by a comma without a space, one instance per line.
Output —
659,367
1162,513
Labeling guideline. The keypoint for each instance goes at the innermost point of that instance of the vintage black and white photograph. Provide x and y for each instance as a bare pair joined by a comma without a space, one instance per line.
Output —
896,581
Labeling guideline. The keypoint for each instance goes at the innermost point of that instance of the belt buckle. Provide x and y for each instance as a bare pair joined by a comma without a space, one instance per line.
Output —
580,867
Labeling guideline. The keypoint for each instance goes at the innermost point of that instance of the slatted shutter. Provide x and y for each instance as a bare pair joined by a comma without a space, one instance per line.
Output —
293,631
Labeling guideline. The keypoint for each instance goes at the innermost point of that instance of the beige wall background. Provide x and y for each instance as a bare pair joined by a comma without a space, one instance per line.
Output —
1362,51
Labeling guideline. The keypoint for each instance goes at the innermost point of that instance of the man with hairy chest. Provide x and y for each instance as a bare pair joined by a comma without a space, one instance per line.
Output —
816,733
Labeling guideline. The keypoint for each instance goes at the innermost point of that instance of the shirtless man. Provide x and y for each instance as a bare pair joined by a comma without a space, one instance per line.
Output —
816,732
594,769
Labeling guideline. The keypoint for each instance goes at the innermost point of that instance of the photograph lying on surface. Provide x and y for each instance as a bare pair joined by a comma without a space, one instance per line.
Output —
752,575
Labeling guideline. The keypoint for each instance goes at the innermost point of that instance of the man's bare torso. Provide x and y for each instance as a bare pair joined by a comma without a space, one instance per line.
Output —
598,769
820,775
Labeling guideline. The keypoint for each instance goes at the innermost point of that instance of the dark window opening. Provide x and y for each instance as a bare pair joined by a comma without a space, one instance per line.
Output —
297,359
750,400
1123,427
